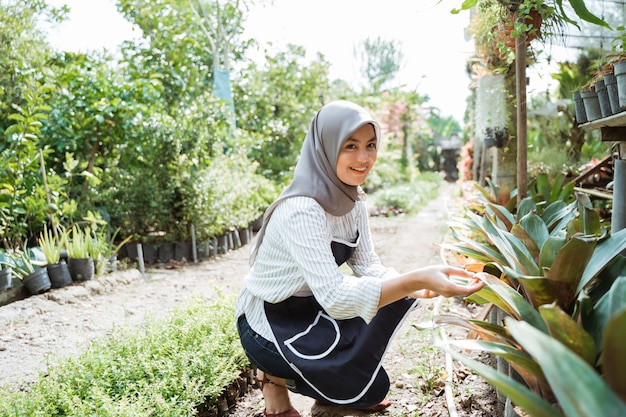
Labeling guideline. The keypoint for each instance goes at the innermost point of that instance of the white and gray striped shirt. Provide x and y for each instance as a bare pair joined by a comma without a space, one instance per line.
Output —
296,259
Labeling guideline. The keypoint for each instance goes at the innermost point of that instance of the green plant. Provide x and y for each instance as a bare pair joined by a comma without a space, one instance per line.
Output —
79,243
52,243
23,262
180,365
559,268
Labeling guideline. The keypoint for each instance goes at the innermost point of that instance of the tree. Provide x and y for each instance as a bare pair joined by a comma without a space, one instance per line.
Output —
23,50
380,61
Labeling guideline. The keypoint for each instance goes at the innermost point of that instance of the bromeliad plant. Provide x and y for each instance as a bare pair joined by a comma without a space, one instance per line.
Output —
561,282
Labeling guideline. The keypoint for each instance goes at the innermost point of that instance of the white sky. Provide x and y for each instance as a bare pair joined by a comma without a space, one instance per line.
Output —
432,39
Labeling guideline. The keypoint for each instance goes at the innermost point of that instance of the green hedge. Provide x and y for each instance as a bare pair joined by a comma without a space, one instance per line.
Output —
170,367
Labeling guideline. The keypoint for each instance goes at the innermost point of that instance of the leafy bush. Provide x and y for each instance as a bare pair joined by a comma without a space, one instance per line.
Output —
168,369
406,197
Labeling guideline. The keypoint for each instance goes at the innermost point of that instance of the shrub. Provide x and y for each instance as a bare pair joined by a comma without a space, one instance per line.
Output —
169,368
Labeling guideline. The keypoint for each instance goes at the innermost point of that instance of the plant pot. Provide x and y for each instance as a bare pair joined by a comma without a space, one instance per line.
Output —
213,247
610,81
244,235
38,282
603,99
592,105
59,274
222,243
112,264
81,269
150,252
6,279
257,224
619,69
579,107
182,250
166,251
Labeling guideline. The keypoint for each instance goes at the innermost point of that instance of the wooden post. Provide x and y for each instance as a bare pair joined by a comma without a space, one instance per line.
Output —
522,132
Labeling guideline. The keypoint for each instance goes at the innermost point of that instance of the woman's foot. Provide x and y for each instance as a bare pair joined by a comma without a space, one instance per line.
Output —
276,396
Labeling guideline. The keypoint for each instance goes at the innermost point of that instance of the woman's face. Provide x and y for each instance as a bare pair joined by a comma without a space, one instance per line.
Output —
357,156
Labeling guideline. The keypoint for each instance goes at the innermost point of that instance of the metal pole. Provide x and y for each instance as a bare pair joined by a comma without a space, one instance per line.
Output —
522,133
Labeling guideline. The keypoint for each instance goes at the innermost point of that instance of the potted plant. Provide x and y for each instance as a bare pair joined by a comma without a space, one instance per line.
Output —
52,243
104,250
79,248
30,270
558,280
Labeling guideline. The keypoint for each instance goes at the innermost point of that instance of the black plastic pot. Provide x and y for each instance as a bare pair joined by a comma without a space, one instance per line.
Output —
6,279
38,282
81,269
59,274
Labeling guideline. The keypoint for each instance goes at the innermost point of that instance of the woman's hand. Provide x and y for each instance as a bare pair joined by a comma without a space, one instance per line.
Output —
440,280
430,281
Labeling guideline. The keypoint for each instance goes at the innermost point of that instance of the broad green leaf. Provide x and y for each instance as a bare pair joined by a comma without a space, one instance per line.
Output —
519,232
469,252
589,218
614,360
521,396
489,295
488,331
550,248
535,227
526,206
558,214
567,269
556,187
487,250
608,306
565,192
579,389
502,214
604,252
539,289
516,305
516,254
567,331
544,189
522,362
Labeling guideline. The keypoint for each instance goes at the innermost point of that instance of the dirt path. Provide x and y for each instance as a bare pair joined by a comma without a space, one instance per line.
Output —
62,322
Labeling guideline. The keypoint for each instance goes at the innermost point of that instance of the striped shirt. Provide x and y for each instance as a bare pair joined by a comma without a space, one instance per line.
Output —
295,258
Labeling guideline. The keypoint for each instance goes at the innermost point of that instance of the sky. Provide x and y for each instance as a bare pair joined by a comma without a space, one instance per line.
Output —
432,40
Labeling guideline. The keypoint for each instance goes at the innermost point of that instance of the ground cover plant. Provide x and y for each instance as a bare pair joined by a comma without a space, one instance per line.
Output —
171,367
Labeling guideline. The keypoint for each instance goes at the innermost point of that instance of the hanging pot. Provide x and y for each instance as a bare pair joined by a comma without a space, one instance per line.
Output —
38,282
59,274
533,18
6,279
81,269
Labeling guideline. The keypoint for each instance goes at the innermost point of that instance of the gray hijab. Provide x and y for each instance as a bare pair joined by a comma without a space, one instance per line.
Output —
315,174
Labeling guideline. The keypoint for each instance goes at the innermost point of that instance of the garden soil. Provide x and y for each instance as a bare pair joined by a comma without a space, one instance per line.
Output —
62,322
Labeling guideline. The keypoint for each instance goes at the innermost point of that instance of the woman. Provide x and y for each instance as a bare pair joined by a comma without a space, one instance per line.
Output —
307,325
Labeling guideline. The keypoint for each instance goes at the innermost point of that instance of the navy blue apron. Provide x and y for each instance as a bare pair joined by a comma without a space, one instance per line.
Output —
323,350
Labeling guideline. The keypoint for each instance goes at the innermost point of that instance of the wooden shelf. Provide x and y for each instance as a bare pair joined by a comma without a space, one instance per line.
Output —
615,120
612,128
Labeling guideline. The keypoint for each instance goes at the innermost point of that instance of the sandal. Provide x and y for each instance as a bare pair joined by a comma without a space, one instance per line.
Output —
380,406
292,412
